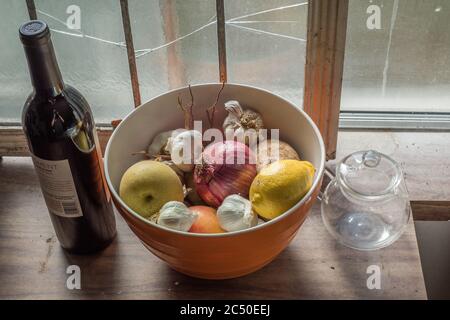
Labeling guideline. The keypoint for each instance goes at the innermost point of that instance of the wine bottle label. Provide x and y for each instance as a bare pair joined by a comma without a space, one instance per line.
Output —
58,187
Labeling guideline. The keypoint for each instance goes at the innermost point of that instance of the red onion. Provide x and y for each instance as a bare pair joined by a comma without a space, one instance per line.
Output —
228,168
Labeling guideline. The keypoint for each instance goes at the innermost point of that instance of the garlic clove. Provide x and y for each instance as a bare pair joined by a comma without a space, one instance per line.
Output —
177,216
185,149
236,214
158,144
235,112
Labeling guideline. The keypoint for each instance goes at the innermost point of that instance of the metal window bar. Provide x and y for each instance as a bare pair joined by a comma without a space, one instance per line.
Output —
221,40
130,52
31,9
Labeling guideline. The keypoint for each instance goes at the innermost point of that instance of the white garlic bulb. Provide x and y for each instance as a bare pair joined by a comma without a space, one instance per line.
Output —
158,145
185,149
244,123
176,215
236,213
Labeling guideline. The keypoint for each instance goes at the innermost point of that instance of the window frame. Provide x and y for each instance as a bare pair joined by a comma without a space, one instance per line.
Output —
323,18
327,21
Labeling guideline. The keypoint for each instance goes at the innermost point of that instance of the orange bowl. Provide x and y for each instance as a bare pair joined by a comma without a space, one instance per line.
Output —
214,256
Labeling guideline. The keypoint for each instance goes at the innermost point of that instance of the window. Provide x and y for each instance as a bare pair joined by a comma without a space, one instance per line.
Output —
396,60
175,44
266,45
93,58
396,54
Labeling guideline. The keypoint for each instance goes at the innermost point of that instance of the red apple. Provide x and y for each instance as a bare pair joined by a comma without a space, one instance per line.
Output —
206,221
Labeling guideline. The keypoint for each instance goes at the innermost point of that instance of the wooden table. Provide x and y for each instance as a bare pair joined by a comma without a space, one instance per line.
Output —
314,266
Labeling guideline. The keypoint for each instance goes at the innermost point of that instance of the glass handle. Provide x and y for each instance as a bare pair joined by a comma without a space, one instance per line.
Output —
329,174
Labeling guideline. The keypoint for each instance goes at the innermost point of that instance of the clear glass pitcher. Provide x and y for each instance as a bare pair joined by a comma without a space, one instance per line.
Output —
366,205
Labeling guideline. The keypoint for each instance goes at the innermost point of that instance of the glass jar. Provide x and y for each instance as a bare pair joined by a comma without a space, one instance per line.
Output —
366,205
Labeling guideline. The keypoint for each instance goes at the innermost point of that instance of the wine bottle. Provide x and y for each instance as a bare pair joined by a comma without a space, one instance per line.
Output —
60,130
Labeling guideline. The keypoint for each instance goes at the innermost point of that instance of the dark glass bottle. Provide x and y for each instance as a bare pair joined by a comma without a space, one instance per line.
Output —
62,139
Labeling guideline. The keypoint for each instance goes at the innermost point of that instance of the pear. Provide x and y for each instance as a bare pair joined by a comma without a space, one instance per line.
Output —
147,185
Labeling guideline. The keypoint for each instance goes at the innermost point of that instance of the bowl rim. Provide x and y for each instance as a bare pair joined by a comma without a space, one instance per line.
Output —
317,176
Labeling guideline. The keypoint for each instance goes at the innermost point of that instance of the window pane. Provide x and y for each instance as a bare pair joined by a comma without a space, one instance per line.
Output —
403,65
176,44
14,80
266,45
92,58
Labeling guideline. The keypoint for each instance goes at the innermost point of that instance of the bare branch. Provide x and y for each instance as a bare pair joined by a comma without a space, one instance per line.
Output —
191,110
187,111
211,111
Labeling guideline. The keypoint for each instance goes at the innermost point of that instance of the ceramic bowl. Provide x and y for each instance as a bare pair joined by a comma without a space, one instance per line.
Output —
214,256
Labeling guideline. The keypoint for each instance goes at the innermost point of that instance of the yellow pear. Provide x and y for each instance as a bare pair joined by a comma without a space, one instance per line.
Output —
147,185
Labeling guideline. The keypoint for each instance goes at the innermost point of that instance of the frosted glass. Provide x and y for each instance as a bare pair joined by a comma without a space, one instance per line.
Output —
404,65
266,45
14,80
94,63
89,58
94,58
175,43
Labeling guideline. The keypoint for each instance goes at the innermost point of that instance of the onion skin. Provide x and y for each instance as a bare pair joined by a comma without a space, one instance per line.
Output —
206,221
215,178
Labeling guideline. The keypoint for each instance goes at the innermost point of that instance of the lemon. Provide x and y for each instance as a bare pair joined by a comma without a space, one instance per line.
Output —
279,186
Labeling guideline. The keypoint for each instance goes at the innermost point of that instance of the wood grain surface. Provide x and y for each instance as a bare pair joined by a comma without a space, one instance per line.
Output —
33,266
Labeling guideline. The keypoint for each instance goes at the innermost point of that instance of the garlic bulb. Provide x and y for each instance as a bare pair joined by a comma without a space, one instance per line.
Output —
273,150
246,123
158,145
236,213
176,215
185,148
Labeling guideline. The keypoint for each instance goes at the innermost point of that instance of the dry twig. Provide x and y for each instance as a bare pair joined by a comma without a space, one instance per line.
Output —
188,111
211,111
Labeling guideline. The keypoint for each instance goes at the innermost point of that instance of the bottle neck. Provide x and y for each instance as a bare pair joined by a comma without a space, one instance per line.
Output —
43,67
